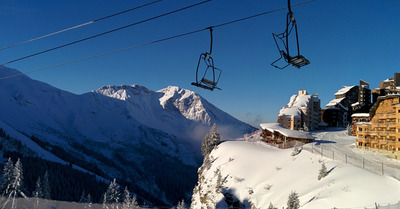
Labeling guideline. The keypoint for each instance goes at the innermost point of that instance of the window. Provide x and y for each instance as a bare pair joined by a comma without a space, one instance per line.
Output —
359,129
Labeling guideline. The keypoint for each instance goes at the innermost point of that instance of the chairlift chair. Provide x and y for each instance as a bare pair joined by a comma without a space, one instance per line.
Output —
210,77
299,60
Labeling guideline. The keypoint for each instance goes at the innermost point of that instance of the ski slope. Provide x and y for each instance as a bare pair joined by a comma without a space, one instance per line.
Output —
258,174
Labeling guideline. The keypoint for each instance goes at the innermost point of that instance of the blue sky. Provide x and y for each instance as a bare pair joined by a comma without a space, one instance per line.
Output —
344,40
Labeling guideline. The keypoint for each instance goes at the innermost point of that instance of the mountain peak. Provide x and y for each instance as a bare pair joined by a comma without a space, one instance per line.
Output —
172,90
122,92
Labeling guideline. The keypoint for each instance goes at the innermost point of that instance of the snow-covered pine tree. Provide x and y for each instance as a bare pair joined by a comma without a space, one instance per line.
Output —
38,193
46,186
16,186
271,206
293,201
89,201
181,205
113,194
205,146
322,172
220,182
7,177
210,141
127,199
105,201
82,199
134,203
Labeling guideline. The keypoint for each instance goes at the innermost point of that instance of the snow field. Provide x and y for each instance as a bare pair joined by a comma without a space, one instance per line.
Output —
258,174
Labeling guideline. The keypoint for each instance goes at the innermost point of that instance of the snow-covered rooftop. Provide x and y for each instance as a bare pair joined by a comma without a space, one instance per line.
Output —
344,90
296,103
360,115
286,132
334,102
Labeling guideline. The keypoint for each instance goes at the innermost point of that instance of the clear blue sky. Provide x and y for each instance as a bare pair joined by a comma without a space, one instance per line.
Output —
344,40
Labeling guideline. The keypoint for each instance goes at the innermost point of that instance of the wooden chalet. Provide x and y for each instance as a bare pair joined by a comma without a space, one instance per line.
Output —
275,133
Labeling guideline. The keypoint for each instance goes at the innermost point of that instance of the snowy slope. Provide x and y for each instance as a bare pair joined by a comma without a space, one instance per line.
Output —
257,174
121,129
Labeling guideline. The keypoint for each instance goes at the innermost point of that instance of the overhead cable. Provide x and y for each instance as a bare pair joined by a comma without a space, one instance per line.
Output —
81,25
107,32
153,42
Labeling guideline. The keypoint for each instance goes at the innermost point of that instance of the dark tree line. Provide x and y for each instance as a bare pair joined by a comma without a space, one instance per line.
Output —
66,183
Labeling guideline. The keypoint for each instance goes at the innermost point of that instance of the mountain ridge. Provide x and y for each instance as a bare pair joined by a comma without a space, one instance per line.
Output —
129,132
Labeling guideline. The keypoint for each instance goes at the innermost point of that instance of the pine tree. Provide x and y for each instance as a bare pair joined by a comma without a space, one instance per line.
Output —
127,199
322,172
181,205
83,197
220,182
105,201
38,193
271,206
210,141
134,203
16,186
46,186
89,201
7,178
112,194
293,201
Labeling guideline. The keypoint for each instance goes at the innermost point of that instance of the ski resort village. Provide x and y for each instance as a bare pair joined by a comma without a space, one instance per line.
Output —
199,104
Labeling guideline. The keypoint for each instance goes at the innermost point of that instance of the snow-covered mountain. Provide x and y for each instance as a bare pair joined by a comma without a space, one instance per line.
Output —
174,110
128,132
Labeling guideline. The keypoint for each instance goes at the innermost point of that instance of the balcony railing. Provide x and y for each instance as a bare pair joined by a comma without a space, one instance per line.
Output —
386,124
386,115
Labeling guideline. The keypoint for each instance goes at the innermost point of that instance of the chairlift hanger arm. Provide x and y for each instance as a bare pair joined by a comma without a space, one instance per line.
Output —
211,39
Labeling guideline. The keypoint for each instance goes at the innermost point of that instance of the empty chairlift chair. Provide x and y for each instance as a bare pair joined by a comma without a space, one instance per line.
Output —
210,74
298,60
